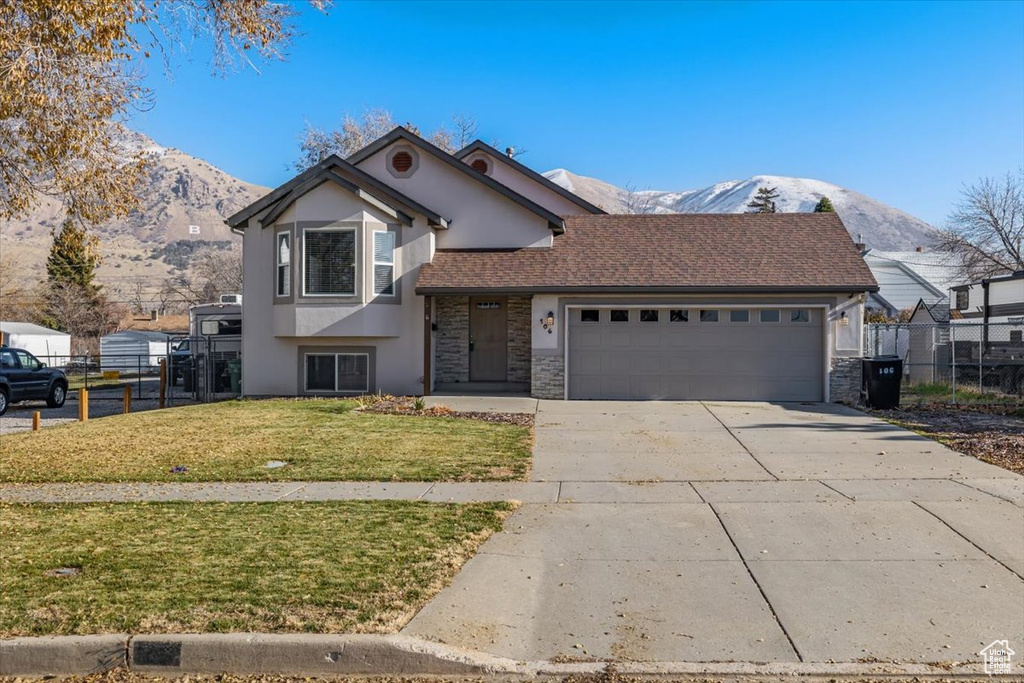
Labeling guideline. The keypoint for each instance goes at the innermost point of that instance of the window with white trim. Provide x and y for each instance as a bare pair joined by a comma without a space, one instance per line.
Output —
338,372
329,262
770,315
383,263
284,264
799,315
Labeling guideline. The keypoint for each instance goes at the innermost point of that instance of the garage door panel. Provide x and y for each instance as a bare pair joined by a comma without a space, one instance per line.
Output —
693,360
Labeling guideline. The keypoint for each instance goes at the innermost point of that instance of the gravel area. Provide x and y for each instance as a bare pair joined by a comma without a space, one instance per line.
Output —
19,416
994,434
406,405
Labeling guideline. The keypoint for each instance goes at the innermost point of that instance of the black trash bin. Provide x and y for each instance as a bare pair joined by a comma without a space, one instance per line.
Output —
882,377
188,375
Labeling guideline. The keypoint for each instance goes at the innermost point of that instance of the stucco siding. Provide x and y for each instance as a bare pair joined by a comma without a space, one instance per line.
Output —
529,188
479,216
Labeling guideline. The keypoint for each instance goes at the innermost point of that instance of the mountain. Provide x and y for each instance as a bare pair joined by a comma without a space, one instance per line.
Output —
180,191
878,225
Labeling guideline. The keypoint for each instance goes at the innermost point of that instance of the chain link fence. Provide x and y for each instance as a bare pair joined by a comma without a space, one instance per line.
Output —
199,370
954,362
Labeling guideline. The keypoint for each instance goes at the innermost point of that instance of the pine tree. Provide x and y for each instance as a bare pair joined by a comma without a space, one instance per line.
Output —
764,201
824,205
73,258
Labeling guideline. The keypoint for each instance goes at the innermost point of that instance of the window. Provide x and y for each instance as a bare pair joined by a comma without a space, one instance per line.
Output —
329,262
27,360
284,264
770,316
648,315
384,263
678,316
739,316
620,316
338,372
962,300
590,315
708,316
799,315
7,360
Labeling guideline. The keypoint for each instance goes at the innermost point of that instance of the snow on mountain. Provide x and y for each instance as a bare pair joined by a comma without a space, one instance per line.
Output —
880,226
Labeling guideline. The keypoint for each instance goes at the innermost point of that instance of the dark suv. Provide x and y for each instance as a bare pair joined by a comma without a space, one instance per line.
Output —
24,378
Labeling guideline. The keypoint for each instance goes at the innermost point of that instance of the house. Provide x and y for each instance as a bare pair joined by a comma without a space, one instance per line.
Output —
906,277
133,350
408,270
50,346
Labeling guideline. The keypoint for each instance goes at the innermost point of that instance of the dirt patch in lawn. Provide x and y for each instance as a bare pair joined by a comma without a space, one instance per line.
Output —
414,407
994,434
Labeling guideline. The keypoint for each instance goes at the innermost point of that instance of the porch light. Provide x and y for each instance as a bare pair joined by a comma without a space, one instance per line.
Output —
844,320
548,322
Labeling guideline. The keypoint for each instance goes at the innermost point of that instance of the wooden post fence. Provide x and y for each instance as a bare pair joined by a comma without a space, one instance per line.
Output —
83,405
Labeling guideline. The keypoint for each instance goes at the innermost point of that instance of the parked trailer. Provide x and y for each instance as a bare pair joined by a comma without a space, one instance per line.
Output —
133,350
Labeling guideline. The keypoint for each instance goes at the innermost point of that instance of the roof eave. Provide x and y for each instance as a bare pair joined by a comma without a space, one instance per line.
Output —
618,289
480,145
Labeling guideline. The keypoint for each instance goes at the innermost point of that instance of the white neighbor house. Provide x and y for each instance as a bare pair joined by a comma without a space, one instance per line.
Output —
50,346
409,270
906,277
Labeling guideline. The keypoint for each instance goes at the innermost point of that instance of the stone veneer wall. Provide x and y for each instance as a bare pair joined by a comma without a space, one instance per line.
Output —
451,341
548,376
845,380
520,340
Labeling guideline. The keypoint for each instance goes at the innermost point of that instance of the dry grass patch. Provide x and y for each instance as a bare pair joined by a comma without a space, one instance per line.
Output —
320,440
364,566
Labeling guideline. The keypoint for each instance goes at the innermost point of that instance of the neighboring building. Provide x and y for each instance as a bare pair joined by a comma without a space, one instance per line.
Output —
408,270
998,300
133,350
50,346
906,277
928,359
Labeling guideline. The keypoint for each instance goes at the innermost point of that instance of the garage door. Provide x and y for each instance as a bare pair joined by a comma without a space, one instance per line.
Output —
756,354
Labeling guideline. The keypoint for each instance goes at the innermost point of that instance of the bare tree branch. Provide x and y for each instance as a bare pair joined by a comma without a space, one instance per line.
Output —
986,229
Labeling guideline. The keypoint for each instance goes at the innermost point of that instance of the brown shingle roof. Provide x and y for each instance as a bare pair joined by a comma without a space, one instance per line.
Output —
667,252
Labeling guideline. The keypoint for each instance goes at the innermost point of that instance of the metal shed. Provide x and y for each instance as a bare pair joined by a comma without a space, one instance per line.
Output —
133,350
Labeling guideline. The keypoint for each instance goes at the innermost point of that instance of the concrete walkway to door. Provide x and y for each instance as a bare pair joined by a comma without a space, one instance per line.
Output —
698,532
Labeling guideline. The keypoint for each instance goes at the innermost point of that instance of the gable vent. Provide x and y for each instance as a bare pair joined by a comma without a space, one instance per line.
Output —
479,165
401,162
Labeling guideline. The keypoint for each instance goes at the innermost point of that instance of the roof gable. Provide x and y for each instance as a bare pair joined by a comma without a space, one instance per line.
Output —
481,146
336,170
555,222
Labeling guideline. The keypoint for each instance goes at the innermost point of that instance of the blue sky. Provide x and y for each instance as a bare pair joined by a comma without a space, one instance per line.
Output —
902,101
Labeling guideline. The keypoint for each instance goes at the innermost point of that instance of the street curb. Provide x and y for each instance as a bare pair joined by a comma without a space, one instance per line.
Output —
392,655
62,655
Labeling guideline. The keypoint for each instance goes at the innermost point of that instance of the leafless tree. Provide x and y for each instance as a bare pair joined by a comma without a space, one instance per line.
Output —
986,229
638,201
465,130
211,272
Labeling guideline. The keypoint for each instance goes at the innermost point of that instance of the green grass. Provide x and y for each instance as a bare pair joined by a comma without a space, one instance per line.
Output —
321,440
362,566
943,393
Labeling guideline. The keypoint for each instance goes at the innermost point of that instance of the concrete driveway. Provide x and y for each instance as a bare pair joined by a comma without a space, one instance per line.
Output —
744,532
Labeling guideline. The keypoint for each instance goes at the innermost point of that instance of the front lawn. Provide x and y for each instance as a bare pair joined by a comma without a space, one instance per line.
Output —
321,440
364,566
